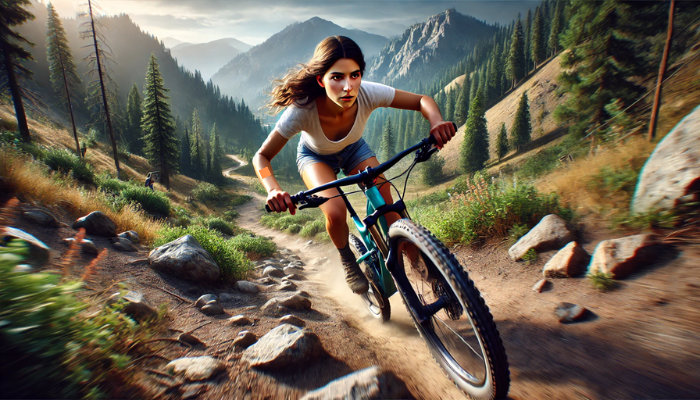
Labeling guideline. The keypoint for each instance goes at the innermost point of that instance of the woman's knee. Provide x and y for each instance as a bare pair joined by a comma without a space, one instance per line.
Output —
335,212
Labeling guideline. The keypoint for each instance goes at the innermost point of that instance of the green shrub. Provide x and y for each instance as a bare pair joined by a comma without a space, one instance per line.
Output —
258,188
610,181
220,225
206,192
530,256
431,170
111,185
66,162
254,246
233,262
238,199
540,164
91,138
487,209
294,228
516,232
50,348
151,201
313,227
602,281
123,152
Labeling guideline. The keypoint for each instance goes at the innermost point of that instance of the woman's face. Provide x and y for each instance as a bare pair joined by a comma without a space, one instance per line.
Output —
342,82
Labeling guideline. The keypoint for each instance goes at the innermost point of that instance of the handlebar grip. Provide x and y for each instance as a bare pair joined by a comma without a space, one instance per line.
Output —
456,127
267,208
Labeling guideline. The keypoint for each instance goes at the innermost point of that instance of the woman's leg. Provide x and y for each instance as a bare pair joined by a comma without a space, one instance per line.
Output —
385,190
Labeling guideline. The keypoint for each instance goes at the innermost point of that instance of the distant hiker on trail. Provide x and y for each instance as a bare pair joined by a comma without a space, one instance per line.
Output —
149,182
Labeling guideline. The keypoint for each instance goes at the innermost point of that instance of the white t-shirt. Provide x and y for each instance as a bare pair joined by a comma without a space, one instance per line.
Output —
305,119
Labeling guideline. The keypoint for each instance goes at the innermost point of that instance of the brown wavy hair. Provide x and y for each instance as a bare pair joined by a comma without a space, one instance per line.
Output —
300,85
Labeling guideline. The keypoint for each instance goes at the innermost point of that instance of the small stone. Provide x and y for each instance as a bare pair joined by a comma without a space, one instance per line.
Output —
310,242
294,277
239,320
369,383
247,287
137,307
203,300
113,298
131,235
226,297
273,272
291,270
296,302
96,223
212,308
245,339
23,268
303,293
267,281
123,244
38,251
282,347
292,320
87,246
196,368
287,286
567,312
539,286
41,217
190,339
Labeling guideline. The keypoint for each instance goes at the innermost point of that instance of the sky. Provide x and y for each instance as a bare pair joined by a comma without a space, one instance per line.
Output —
253,21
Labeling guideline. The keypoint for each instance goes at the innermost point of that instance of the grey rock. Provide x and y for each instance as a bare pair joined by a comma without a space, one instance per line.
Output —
567,312
267,281
38,252
212,308
272,307
196,368
226,297
273,272
186,259
292,320
123,244
87,246
239,320
371,383
303,293
41,217
204,299
247,287
673,169
283,346
96,223
569,261
131,235
137,307
245,339
551,233
621,257
294,277
296,302
291,270
287,286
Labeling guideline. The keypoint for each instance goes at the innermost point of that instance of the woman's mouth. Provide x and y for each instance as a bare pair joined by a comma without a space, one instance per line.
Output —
347,98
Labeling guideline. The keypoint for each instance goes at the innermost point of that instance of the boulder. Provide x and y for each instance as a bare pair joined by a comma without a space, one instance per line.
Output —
273,272
673,169
569,261
41,217
196,368
131,235
123,244
551,233
239,320
621,257
244,339
371,383
292,320
186,259
204,299
96,223
283,346
567,312
247,287
38,252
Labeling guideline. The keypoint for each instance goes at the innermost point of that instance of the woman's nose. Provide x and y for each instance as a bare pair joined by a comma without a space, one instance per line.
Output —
347,87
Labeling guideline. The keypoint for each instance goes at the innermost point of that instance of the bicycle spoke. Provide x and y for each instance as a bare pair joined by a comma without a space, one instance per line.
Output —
460,338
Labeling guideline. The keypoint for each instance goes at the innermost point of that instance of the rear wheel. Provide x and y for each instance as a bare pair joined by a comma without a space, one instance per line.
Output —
377,303
459,330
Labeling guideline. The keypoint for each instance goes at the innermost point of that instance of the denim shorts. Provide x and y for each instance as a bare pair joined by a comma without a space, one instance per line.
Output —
345,160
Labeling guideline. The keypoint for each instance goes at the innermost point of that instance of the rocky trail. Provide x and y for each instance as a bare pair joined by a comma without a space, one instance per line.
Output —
294,326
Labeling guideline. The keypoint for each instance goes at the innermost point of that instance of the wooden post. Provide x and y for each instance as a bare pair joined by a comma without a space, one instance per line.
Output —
662,71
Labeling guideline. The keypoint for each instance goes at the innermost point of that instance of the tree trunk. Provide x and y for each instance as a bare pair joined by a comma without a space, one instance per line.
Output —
662,71
16,97
70,106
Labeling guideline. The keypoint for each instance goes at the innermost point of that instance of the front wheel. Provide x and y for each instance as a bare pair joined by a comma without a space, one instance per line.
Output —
459,329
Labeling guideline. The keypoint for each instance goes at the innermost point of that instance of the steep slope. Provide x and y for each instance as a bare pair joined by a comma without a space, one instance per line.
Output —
426,48
252,72
207,58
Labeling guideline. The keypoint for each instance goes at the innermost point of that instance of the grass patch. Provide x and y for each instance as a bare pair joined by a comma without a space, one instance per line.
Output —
233,262
602,281
255,247
220,225
516,232
486,210
205,192
312,228
66,162
239,199
530,256
151,201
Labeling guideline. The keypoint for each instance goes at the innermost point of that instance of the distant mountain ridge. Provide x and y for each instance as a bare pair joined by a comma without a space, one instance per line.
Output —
208,58
249,74
423,49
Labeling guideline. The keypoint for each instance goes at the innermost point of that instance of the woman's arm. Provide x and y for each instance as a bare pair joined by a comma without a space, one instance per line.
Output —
441,130
277,199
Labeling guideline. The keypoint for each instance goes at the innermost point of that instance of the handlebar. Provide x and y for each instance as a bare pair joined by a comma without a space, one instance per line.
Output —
308,199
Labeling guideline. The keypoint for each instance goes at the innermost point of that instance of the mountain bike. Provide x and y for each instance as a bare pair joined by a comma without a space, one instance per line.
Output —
447,309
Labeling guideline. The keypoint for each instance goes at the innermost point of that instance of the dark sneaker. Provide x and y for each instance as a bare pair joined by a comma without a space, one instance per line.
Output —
357,281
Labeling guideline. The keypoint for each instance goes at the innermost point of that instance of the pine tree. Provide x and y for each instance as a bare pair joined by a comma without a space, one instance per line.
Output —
185,156
474,151
515,67
63,75
538,44
528,41
387,147
216,154
197,148
13,13
600,65
401,131
462,106
431,170
134,114
97,60
556,27
502,142
449,106
158,126
521,129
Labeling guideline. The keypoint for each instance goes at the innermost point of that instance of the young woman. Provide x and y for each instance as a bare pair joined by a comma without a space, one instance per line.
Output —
328,102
